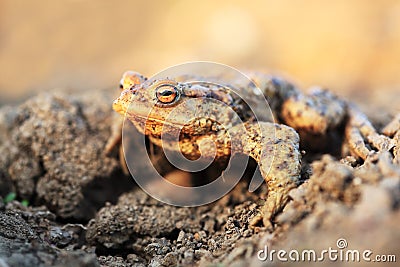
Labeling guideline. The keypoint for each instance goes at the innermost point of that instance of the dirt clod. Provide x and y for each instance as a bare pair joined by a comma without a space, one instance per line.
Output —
55,154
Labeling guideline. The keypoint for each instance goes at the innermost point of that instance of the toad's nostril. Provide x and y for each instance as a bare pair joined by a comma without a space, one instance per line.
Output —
133,90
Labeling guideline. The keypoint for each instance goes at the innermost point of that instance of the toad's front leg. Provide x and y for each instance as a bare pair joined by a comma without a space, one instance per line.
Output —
129,79
275,147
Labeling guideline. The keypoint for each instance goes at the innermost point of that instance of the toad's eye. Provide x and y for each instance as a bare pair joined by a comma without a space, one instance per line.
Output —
167,93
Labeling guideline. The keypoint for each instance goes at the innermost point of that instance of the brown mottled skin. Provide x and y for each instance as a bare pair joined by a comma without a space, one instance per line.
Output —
148,104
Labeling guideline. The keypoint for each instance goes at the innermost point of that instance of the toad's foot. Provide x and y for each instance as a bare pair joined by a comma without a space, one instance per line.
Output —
275,147
393,130
393,127
360,132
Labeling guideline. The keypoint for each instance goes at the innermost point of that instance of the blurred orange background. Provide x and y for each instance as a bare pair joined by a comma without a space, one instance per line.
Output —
351,47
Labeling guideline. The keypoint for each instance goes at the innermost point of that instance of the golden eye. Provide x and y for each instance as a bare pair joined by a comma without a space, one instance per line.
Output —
166,93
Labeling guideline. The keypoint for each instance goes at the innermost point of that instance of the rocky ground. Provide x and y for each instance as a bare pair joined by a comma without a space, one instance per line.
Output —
75,207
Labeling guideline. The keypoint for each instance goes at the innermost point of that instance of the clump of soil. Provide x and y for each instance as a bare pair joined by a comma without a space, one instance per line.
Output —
53,153
83,210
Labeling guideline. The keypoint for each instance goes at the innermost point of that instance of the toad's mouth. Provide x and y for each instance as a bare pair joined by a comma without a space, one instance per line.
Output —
142,116
150,120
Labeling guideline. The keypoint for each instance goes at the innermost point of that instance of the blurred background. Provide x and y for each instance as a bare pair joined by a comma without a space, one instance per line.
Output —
351,47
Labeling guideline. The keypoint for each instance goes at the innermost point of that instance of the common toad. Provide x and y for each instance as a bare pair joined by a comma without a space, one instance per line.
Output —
152,105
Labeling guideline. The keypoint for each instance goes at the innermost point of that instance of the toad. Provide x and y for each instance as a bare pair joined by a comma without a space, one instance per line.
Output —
180,113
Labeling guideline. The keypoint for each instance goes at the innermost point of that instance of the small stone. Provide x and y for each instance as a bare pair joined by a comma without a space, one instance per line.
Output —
132,258
200,253
197,236
209,226
180,236
188,255
171,259
202,234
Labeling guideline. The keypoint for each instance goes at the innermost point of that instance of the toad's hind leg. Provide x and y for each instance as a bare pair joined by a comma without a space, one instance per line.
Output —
358,129
275,147
393,130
